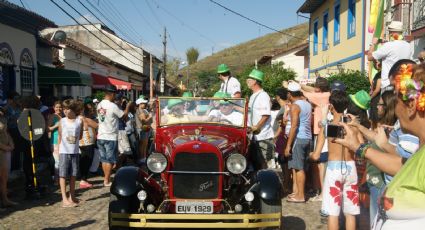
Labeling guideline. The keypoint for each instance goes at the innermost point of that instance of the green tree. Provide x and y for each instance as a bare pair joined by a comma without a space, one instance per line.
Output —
173,66
354,80
208,83
273,77
192,55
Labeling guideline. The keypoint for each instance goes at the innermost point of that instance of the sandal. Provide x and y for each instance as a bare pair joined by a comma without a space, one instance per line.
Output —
70,205
293,200
85,185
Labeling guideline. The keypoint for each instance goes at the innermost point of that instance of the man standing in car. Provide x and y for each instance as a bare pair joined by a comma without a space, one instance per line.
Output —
229,83
259,118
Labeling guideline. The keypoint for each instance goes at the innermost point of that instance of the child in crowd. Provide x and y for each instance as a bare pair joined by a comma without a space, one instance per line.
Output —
6,147
340,183
54,133
70,132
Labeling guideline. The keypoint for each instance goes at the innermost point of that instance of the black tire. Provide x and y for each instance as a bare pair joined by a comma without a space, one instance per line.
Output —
117,206
270,207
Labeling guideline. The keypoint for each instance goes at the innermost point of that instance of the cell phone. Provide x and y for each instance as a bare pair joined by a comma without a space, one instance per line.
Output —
334,131
345,119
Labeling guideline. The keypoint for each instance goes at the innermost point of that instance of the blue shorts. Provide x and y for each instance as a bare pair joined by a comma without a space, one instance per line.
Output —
107,151
68,165
300,150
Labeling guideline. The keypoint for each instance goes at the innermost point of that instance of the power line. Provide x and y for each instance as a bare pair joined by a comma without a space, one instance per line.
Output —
131,47
184,24
173,45
256,22
125,50
154,14
143,17
107,19
125,22
76,21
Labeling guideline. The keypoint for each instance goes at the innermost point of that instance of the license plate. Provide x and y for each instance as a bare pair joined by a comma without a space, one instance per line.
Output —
194,207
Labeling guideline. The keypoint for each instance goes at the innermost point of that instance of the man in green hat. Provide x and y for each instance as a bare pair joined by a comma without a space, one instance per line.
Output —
259,119
229,83
175,113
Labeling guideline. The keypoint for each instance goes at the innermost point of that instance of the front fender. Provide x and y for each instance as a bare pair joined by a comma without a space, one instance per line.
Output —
267,185
126,182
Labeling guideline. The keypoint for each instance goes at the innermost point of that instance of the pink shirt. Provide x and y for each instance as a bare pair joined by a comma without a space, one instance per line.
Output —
317,99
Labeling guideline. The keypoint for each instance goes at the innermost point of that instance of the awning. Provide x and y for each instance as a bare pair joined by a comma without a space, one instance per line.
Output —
99,82
55,76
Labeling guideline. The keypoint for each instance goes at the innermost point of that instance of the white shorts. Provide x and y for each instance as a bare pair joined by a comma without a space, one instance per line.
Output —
340,189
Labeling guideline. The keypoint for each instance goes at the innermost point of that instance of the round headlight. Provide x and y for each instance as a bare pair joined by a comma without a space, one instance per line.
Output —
236,163
157,162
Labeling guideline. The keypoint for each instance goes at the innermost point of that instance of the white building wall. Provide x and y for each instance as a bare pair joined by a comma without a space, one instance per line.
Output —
292,61
18,40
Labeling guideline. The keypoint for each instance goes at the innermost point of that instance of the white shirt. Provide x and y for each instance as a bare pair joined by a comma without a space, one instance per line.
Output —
231,86
108,114
390,53
70,136
236,118
257,109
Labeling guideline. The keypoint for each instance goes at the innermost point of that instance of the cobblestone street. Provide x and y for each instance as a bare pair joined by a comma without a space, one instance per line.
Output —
47,213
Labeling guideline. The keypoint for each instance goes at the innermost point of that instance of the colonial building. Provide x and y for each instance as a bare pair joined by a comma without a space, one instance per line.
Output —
337,35
18,43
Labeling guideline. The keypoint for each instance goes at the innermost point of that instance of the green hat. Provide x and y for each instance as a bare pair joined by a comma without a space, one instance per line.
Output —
187,94
174,101
142,97
257,75
224,95
222,68
361,99
218,94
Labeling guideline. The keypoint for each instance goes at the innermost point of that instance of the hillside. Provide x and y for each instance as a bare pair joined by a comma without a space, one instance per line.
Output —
237,57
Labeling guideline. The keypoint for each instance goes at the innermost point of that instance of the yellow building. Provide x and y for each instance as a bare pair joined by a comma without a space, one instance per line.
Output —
337,35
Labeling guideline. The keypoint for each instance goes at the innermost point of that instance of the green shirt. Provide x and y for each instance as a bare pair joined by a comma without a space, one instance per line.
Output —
405,195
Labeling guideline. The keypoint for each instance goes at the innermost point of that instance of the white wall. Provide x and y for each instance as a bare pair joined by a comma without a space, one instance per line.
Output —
290,60
18,40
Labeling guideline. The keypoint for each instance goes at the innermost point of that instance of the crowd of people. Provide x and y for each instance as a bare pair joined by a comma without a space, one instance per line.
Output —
80,136
326,141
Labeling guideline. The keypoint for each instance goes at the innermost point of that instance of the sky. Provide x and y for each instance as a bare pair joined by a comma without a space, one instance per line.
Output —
190,23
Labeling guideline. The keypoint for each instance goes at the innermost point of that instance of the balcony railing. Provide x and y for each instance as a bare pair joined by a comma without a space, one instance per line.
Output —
418,14
401,11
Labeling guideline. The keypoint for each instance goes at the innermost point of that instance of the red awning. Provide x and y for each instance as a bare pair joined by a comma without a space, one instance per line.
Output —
99,82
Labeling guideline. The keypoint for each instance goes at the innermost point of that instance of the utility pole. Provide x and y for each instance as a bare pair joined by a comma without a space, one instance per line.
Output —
164,73
150,77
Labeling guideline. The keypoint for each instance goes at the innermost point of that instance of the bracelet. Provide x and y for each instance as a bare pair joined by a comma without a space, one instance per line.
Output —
361,151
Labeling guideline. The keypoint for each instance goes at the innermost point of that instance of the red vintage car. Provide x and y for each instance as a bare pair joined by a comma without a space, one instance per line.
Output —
200,173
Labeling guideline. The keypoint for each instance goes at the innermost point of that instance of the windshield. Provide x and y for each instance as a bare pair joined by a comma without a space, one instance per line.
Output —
178,110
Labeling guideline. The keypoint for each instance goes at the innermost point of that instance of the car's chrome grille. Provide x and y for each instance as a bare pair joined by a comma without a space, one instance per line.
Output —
197,185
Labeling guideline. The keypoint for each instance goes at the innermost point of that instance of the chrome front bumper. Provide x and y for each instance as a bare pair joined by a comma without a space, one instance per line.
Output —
196,220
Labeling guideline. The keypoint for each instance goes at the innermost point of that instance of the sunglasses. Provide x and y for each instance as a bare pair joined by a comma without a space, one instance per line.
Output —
421,59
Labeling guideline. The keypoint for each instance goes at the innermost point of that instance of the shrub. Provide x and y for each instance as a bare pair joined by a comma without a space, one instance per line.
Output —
354,80
273,75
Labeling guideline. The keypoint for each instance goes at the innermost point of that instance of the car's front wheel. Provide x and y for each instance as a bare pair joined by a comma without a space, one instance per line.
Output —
117,206
270,207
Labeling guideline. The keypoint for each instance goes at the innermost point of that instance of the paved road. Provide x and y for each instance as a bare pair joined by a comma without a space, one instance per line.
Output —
47,213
